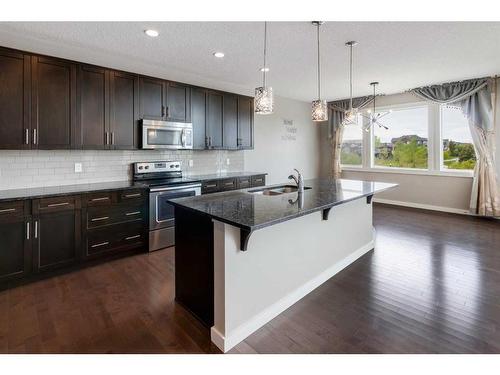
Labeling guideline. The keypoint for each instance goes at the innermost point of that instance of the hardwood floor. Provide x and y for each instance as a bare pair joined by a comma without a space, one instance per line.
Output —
431,286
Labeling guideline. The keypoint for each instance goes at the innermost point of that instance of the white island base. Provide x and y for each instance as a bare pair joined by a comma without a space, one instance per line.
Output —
283,263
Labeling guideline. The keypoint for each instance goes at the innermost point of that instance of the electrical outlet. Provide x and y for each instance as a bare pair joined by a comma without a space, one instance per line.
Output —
228,161
78,168
191,163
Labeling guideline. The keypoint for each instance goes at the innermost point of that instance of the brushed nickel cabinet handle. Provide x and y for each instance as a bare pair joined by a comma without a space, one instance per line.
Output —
229,183
106,138
36,228
133,213
27,136
99,199
7,210
100,218
58,204
132,195
35,136
100,244
132,237
112,138
28,230
210,185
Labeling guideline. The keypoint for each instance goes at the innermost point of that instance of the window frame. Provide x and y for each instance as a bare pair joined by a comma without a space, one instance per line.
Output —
434,146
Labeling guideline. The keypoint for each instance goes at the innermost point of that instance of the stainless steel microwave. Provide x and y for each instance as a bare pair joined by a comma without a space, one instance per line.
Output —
166,135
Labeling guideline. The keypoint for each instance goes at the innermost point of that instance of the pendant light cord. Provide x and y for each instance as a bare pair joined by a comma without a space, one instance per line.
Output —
265,53
350,78
319,71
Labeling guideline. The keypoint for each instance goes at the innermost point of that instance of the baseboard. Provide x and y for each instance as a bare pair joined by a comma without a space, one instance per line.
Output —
225,343
423,206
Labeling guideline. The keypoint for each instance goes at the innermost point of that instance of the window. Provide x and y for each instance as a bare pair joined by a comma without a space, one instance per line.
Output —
405,143
352,144
458,149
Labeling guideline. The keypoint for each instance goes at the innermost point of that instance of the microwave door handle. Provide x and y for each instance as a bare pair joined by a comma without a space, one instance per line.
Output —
183,138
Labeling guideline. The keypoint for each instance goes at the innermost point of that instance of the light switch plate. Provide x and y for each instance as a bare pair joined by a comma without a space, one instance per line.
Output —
191,163
228,161
78,168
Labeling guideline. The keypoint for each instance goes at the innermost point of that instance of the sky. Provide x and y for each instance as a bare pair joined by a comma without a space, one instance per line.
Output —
414,121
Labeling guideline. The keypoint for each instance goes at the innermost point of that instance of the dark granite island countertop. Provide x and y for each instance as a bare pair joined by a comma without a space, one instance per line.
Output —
250,211
52,191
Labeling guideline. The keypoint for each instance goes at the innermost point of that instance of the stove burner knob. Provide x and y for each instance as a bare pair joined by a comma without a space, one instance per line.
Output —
171,165
146,167
140,167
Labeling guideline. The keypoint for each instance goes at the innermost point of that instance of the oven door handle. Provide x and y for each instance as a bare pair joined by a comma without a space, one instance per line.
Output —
179,188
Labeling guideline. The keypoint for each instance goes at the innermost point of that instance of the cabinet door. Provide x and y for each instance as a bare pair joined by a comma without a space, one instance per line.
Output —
214,119
245,122
53,103
93,106
57,237
15,254
199,117
14,100
178,102
152,98
124,111
230,121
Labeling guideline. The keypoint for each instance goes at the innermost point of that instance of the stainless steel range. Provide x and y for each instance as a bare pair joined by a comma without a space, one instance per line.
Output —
165,181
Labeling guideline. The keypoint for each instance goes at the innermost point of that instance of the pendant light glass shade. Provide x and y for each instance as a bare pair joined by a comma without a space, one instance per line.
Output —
351,115
319,110
319,107
264,101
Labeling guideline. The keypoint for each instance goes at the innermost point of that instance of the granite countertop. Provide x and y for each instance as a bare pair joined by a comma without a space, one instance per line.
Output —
50,191
216,176
250,211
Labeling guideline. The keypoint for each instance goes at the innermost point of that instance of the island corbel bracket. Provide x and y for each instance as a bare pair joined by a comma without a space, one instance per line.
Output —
369,199
244,237
325,213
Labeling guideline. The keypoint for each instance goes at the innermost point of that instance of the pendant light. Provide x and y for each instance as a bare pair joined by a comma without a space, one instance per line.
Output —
319,108
374,117
264,101
351,115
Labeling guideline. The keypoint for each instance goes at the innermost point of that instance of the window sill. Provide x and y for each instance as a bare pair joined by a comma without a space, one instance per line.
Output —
465,174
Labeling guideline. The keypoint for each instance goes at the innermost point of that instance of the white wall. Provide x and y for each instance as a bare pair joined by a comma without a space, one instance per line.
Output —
279,148
449,193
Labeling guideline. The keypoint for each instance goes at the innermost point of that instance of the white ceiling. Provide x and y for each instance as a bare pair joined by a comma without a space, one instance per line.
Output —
400,55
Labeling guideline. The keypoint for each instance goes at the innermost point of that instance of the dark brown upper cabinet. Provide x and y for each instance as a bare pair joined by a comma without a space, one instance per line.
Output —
214,128
199,117
178,106
230,121
14,100
124,110
93,105
53,103
152,99
245,122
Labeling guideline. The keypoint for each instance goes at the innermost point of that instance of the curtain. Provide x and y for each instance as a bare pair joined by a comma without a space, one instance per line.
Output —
474,97
337,111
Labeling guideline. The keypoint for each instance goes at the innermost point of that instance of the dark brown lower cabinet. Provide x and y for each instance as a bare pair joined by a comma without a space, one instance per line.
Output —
56,232
15,241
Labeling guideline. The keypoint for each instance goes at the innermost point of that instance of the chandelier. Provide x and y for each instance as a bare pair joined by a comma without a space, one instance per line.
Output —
374,117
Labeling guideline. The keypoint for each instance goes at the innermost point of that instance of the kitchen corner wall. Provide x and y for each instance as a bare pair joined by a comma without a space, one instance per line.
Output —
25,168
285,140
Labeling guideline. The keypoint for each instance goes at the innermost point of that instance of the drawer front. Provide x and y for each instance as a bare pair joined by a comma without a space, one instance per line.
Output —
259,180
120,237
244,182
228,184
98,217
99,199
134,195
210,186
57,204
11,209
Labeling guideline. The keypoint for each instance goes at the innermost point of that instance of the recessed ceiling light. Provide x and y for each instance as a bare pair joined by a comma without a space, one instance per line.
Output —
151,33
264,69
219,54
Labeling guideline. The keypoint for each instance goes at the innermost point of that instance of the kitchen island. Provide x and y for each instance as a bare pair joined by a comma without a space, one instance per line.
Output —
242,257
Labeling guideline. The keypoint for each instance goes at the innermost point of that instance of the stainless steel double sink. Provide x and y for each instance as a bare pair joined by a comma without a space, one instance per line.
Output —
277,190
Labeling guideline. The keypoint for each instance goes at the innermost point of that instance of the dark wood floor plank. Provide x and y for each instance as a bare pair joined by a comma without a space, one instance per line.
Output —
432,285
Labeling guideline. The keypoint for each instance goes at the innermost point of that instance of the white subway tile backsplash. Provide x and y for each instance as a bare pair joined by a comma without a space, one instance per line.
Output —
33,168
